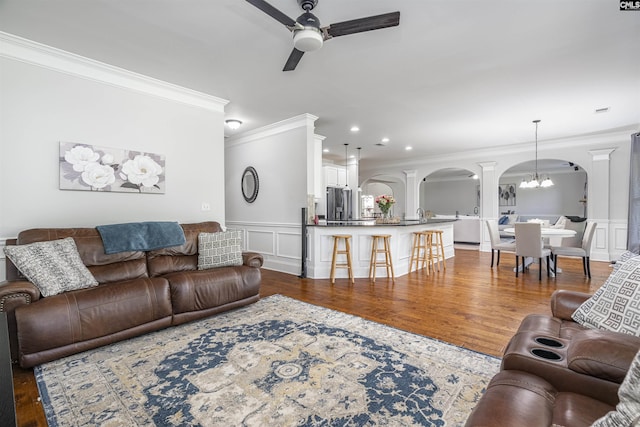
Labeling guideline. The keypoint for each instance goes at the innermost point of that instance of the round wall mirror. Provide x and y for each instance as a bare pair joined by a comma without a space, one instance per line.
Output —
250,184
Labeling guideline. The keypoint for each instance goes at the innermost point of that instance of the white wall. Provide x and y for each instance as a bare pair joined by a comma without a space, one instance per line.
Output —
280,154
48,96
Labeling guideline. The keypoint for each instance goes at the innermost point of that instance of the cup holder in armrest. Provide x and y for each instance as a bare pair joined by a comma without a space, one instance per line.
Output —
545,354
549,342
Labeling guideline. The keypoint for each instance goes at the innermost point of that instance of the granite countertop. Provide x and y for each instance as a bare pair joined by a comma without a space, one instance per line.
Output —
372,223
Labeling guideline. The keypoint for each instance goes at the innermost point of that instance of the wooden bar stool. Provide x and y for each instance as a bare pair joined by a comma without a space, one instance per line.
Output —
346,251
375,262
421,249
438,250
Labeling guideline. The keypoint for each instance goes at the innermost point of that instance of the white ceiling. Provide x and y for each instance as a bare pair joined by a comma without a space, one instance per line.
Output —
453,76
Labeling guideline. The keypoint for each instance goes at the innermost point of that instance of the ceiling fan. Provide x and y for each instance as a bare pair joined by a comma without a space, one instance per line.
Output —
308,35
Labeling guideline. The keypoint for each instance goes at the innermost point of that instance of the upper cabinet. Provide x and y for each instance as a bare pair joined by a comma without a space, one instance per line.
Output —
334,176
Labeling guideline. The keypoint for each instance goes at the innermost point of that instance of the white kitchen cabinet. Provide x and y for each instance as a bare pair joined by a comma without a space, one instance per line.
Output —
334,176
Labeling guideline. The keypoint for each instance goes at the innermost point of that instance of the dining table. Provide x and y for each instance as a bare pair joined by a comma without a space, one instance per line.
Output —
546,233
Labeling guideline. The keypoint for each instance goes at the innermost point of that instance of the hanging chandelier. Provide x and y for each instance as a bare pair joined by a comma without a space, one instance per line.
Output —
536,181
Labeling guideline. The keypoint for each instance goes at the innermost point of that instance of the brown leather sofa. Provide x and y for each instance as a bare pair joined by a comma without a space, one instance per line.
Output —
138,292
555,372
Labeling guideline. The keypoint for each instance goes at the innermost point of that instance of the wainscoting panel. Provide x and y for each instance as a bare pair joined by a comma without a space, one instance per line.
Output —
262,241
289,245
279,244
619,239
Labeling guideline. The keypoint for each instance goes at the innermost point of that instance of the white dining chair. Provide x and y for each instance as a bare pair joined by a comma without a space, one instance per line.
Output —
584,251
496,243
529,244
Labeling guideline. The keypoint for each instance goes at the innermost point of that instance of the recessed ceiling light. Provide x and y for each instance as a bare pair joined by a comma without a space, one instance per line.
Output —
355,129
233,124
385,140
325,150
408,148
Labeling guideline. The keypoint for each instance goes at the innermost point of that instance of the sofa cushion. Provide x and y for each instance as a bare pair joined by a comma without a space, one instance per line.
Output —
201,290
602,354
105,268
627,412
53,266
517,398
616,305
88,314
219,249
180,258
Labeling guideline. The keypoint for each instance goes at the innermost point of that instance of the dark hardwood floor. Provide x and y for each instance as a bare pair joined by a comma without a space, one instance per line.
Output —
468,304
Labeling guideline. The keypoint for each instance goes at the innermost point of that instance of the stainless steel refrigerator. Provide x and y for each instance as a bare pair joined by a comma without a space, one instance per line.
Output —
339,205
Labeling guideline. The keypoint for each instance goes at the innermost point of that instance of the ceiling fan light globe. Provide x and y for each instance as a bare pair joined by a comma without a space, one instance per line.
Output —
307,40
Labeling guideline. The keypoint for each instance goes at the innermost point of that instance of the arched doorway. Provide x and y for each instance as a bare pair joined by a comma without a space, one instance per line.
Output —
379,185
450,191
567,196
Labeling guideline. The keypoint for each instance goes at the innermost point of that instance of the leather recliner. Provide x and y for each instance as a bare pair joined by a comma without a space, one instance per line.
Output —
556,372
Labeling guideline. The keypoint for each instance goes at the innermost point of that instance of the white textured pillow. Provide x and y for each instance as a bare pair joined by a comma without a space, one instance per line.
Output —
219,249
616,305
627,411
53,266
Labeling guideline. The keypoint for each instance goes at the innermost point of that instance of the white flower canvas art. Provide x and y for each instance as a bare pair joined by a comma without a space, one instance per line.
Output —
91,168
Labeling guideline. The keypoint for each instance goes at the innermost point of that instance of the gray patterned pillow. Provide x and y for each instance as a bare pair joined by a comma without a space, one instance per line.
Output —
219,249
616,305
627,412
626,256
53,266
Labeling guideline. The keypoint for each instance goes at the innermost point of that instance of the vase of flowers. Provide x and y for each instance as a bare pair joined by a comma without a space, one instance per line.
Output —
385,202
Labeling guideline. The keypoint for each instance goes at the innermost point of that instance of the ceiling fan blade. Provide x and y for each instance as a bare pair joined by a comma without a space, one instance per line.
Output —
273,12
364,24
293,60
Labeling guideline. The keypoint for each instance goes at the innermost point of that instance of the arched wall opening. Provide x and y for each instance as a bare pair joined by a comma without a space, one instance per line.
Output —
568,195
450,191
377,186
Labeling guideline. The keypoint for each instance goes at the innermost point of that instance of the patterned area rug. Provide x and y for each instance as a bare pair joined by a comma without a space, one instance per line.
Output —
278,362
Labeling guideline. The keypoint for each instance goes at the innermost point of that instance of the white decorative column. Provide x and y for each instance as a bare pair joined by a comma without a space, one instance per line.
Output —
316,164
488,201
353,184
599,188
412,191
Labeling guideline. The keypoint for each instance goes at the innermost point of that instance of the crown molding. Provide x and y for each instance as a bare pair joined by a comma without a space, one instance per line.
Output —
30,52
614,137
302,120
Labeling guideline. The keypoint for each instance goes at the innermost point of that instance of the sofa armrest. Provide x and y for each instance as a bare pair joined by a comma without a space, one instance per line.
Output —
564,303
602,354
13,295
252,259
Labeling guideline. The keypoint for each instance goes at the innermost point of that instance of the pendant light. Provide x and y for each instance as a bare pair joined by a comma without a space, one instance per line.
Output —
346,165
358,170
534,182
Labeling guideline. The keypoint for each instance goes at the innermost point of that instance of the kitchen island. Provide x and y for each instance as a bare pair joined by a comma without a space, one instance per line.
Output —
320,244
